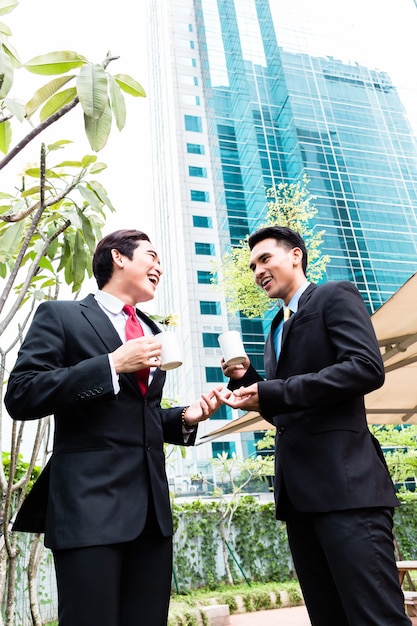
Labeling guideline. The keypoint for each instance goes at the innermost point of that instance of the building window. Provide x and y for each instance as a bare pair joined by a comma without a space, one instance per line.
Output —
214,375
208,307
218,447
210,340
195,148
199,196
190,100
193,123
204,248
223,413
202,221
199,172
204,278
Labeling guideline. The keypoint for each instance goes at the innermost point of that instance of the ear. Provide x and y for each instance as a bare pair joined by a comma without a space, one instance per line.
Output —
118,258
297,255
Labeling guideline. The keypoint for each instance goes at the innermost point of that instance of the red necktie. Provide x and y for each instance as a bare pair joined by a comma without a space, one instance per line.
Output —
134,329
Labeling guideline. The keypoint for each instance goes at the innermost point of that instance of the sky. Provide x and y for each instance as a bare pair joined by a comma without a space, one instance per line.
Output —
92,28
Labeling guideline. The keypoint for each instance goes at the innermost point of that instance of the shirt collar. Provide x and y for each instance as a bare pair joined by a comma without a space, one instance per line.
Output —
109,302
293,303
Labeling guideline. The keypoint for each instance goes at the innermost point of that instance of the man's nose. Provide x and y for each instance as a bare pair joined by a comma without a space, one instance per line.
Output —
258,272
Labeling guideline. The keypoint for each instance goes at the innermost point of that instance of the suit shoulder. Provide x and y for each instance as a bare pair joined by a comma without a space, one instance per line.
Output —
65,304
338,286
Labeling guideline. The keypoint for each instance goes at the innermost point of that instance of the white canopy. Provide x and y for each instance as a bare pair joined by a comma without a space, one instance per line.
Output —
395,324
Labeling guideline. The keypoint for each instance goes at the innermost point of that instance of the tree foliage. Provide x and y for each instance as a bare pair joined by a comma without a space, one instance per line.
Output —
288,204
50,222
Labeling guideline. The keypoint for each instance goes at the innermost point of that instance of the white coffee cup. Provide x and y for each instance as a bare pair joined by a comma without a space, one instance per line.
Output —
232,347
171,353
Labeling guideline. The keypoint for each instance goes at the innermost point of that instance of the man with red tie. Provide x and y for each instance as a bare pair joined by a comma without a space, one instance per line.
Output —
332,486
103,501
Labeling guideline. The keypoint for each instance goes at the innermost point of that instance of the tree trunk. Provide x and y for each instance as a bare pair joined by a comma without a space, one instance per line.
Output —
33,566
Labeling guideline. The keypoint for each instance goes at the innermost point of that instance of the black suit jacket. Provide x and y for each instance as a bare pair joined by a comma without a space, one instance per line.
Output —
108,449
326,459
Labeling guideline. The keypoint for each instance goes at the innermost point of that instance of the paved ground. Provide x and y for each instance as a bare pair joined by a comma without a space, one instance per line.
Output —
295,616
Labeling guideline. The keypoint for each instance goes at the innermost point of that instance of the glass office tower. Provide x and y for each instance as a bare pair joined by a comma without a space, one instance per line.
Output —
237,107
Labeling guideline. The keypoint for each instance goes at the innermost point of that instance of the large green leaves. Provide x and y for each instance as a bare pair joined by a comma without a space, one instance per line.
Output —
6,73
117,103
5,136
92,90
130,85
55,63
44,93
57,101
7,5
98,130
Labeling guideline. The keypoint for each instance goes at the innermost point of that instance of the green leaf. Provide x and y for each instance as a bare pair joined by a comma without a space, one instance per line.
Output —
7,5
52,248
6,73
11,51
30,192
79,262
88,159
11,239
101,193
5,30
66,254
55,63
98,167
58,144
92,90
5,136
35,172
57,101
129,85
68,164
98,131
90,197
44,93
88,232
117,103
46,264
16,108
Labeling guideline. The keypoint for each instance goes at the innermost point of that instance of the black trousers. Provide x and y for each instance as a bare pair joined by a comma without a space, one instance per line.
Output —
126,584
346,566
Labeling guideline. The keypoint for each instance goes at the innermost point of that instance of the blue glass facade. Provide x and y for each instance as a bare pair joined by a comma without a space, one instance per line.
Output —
343,126
240,104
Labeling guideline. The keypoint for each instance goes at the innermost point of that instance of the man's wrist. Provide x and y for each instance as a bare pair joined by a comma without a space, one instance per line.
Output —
186,426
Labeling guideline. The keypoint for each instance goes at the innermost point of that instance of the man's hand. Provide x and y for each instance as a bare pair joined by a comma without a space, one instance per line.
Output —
137,354
203,408
235,371
245,398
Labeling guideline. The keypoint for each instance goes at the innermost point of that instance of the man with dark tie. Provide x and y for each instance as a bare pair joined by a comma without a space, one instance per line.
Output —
332,486
103,500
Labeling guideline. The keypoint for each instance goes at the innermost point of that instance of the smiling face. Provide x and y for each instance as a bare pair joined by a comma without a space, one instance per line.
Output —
277,269
135,280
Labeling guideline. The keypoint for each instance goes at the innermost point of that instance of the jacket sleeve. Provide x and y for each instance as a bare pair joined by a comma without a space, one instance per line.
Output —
43,379
336,353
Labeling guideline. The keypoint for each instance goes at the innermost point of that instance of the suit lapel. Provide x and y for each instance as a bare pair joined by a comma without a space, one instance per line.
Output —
270,357
100,323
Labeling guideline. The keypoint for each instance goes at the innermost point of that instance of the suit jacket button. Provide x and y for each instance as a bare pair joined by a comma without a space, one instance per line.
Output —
281,430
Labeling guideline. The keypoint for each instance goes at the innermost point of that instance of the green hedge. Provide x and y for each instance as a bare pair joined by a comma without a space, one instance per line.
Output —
257,547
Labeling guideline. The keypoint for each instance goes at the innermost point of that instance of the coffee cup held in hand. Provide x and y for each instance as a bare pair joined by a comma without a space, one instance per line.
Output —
171,353
232,347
